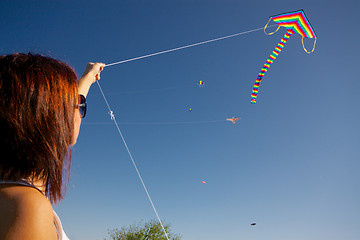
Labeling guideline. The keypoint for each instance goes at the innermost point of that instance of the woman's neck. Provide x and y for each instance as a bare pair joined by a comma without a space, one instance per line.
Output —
38,183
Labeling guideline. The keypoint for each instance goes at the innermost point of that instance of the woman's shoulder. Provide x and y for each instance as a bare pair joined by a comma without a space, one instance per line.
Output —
29,214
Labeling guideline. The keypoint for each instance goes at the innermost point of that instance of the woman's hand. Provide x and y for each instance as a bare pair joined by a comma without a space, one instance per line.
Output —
90,75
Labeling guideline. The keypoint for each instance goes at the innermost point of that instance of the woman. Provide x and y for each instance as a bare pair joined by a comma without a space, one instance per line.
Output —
41,106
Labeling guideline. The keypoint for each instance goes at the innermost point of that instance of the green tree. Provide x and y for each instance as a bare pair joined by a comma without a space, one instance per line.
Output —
150,230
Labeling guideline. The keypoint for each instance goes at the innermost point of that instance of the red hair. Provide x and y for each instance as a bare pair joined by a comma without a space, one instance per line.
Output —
38,95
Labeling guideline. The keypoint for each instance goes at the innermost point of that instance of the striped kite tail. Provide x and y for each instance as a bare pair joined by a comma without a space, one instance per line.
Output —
269,61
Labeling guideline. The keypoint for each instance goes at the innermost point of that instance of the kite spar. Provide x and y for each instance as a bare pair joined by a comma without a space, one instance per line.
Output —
293,22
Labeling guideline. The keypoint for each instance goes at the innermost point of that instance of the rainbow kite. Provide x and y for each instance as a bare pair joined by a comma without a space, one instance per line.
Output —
293,22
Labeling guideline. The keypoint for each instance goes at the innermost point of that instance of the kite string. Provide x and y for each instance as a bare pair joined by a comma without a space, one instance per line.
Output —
123,139
113,116
155,123
186,46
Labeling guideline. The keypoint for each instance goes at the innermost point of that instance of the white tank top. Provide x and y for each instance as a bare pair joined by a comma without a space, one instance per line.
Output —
57,223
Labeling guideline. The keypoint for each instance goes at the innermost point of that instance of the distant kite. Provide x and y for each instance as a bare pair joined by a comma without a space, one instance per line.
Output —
253,224
203,182
293,22
190,109
233,120
200,84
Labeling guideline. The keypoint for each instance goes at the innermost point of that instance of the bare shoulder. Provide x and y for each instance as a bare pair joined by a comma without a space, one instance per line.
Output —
29,214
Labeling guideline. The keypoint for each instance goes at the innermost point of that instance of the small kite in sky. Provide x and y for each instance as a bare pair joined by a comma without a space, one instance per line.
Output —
253,224
200,84
203,182
294,22
190,109
233,119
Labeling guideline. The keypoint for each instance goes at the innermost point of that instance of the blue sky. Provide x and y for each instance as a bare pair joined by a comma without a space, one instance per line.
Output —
290,164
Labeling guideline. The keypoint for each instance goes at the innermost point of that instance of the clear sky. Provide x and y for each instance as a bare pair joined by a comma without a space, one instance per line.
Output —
291,164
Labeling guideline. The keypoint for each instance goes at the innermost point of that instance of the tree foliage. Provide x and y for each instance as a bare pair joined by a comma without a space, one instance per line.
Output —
150,230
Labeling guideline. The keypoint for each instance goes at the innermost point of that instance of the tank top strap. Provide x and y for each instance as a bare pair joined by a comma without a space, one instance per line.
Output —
19,182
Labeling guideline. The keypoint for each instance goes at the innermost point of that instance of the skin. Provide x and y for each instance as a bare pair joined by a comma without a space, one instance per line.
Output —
90,76
29,214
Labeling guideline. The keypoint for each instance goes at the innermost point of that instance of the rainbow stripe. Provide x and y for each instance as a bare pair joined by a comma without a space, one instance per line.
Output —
297,21
269,61
294,22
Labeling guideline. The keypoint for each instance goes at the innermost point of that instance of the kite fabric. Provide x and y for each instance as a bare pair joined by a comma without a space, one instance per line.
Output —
233,119
294,22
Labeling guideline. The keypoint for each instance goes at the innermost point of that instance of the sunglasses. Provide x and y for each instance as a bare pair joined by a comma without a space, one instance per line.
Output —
82,105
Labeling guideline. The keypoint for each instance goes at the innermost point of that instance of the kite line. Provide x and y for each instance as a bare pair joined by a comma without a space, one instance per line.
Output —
127,148
112,116
156,123
186,46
